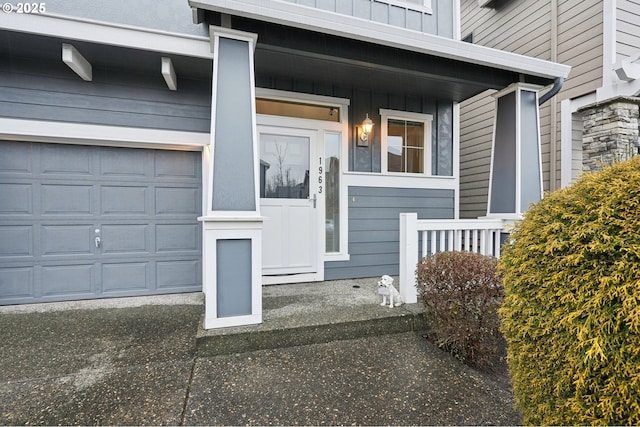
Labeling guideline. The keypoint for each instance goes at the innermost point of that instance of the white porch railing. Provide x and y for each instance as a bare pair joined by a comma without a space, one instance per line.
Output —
473,235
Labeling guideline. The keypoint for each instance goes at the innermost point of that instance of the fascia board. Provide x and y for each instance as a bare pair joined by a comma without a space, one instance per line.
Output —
72,28
319,20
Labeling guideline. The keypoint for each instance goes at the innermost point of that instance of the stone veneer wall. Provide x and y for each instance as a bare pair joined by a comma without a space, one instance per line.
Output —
611,132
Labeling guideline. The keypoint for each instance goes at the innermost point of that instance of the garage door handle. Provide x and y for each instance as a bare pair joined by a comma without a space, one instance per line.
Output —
97,242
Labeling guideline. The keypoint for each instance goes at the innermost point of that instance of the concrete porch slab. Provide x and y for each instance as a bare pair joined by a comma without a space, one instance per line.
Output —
313,313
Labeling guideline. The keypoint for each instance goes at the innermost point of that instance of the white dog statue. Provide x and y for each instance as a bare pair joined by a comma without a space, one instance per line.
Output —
386,289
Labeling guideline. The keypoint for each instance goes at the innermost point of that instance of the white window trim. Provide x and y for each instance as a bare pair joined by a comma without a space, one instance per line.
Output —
423,7
426,119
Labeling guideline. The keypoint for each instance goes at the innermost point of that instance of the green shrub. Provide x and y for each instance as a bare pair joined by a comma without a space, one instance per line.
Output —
461,293
571,315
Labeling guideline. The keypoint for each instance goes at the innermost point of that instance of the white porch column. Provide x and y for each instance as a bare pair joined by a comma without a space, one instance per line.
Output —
409,256
516,161
232,225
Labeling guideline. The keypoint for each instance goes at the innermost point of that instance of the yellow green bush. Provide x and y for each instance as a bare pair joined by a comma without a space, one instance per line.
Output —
571,315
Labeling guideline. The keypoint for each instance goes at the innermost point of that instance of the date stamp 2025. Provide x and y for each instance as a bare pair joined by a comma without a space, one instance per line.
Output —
23,7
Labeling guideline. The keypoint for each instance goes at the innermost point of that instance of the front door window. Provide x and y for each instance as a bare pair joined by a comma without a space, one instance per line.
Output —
284,164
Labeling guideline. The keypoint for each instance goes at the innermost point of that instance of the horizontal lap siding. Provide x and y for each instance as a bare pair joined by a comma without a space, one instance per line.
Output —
476,133
524,27
374,223
580,27
51,91
521,27
628,28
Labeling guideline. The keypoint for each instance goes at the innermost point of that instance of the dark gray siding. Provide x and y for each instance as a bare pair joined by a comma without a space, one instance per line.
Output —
367,101
31,89
374,223
367,159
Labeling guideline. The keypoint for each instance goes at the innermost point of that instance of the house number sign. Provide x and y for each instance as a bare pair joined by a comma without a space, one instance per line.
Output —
320,175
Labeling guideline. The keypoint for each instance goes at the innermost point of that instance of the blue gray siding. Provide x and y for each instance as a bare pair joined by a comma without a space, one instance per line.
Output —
39,90
405,14
503,190
374,223
167,15
233,179
234,282
175,15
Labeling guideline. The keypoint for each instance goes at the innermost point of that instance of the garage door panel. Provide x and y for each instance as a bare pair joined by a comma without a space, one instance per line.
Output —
65,159
16,199
67,239
176,165
66,199
16,282
125,238
115,162
123,200
176,200
67,279
177,237
16,241
117,277
16,158
178,274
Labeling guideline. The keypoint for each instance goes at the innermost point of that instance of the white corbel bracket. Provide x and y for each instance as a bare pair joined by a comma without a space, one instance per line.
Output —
628,69
169,73
76,62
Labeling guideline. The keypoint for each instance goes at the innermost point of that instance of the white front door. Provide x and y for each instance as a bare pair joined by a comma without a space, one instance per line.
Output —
288,201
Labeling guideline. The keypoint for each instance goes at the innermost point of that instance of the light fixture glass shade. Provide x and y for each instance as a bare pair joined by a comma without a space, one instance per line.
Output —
367,125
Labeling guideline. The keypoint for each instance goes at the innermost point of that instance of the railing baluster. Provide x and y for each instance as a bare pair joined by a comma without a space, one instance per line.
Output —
475,241
425,243
434,242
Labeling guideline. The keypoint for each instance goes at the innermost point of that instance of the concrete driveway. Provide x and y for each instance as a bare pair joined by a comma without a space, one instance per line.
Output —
104,363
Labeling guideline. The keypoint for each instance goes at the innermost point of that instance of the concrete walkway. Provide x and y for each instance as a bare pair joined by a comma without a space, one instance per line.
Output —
136,361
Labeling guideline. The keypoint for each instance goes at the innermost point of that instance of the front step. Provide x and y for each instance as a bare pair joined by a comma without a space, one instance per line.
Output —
302,314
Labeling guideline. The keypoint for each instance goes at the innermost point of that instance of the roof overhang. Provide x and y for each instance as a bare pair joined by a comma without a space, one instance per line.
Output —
349,27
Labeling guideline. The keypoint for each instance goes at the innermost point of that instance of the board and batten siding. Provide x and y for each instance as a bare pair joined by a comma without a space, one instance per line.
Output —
374,224
525,27
409,14
627,28
37,90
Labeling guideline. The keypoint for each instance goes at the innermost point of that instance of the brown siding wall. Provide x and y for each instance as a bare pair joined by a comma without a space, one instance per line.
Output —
525,27
628,28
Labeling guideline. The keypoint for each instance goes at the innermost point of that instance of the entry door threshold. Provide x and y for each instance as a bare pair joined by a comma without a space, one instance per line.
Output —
282,279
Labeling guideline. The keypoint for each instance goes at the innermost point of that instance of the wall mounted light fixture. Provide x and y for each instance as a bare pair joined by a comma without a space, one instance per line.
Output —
363,132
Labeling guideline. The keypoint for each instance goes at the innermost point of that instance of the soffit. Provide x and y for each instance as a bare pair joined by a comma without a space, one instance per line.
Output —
293,54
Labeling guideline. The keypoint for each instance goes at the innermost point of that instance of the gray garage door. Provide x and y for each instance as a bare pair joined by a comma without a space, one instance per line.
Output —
80,222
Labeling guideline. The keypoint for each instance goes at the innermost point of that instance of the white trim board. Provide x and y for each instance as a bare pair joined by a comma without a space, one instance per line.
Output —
89,30
78,133
290,14
376,179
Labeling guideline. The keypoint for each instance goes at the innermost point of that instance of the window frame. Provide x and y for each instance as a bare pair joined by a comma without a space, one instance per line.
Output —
425,119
